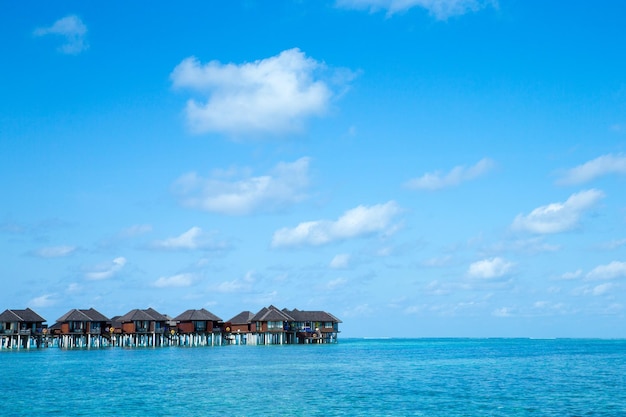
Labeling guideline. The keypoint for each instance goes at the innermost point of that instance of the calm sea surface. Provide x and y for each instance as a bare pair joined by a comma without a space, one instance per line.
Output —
395,377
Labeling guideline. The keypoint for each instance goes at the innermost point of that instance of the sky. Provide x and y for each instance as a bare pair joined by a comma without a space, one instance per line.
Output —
418,168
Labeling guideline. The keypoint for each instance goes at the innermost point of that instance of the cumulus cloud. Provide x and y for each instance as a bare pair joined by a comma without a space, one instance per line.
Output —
601,166
180,280
106,271
236,192
335,284
602,289
192,239
558,217
459,174
340,261
356,222
46,300
611,270
439,9
490,268
72,29
271,95
237,285
55,251
568,276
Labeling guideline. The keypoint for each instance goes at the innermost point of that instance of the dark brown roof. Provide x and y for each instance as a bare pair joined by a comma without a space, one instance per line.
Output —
300,315
271,313
26,315
148,314
244,317
157,316
83,315
197,315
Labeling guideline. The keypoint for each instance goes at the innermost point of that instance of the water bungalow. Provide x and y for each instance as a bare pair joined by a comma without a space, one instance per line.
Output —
141,328
88,328
81,328
313,326
271,326
198,328
240,328
21,329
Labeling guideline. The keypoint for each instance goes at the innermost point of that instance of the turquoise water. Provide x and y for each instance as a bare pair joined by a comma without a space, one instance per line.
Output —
396,377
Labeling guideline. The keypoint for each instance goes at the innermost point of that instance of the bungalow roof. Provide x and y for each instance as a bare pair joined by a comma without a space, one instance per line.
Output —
271,313
157,316
83,315
21,316
301,315
148,314
197,315
244,317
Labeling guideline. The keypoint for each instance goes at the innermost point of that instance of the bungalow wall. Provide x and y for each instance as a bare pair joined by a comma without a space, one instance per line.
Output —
186,327
242,328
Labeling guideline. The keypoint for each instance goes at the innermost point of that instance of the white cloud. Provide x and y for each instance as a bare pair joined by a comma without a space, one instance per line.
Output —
192,239
283,186
490,268
270,95
340,261
602,289
614,244
336,283
135,230
362,310
558,217
72,29
46,300
459,174
603,165
237,285
612,270
438,261
568,276
439,9
107,271
359,221
180,280
502,312
55,251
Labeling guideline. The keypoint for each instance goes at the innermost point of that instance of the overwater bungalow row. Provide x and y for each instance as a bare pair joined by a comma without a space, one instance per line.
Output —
88,328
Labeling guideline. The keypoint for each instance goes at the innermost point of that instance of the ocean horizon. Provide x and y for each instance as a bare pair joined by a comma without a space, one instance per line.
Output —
357,376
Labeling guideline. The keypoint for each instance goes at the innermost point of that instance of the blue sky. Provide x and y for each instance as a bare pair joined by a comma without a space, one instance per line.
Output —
417,168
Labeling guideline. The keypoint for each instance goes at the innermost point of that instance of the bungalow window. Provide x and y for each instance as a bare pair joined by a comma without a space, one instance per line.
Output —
273,325
199,326
328,325
76,326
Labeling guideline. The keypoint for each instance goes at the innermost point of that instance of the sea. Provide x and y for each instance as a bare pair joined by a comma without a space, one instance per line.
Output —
355,377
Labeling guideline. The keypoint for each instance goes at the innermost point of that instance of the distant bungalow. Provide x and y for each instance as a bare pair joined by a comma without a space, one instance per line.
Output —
88,328
21,329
